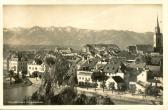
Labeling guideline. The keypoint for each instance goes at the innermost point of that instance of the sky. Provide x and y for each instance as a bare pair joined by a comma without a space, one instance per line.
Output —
138,18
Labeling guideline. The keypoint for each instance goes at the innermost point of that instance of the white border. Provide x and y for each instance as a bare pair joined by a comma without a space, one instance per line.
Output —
84,107
82,1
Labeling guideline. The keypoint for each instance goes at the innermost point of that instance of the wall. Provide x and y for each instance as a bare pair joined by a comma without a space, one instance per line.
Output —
33,67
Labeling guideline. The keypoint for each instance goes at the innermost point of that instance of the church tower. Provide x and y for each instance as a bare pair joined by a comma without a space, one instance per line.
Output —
158,39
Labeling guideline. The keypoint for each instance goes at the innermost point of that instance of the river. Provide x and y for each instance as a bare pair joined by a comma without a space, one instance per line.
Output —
15,95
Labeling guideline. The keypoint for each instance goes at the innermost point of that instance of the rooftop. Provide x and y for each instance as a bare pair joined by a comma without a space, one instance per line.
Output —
145,48
118,79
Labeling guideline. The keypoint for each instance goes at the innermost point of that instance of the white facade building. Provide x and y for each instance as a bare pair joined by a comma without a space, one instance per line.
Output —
84,76
34,67
13,65
142,77
17,65
110,80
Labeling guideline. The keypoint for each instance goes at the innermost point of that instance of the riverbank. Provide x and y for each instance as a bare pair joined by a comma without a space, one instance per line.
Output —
23,83
125,98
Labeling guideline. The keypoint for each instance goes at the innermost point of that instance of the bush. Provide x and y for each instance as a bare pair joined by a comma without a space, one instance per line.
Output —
92,100
104,101
81,99
65,97
34,96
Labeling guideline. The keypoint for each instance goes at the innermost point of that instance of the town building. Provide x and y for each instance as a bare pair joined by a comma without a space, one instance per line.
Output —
84,77
17,64
143,76
64,50
140,49
5,64
32,67
89,65
97,48
132,49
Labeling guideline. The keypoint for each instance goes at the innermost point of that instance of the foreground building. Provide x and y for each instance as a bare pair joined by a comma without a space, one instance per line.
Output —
33,67
84,77
17,64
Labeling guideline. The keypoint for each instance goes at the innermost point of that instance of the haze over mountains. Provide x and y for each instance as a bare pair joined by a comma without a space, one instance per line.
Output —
73,37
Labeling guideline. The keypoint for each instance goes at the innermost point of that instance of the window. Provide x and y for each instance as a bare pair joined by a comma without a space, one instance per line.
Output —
88,79
83,78
14,68
79,77
35,68
29,67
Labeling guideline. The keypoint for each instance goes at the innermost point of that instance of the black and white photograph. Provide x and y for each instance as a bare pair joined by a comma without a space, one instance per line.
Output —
76,54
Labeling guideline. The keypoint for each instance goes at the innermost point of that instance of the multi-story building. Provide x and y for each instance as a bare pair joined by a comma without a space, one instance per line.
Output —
84,77
32,67
17,64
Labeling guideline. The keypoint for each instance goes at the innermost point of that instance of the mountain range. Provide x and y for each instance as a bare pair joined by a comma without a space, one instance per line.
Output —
73,37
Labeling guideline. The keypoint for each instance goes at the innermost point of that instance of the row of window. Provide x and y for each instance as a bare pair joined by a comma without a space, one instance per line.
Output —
84,78
33,68
23,63
23,68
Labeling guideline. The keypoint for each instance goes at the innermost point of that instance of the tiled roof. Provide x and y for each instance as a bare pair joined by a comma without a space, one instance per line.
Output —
112,66
154,69
85,73
90,64
118,79
141,83
136,65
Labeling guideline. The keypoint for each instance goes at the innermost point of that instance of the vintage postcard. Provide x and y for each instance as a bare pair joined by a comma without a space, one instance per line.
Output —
103,55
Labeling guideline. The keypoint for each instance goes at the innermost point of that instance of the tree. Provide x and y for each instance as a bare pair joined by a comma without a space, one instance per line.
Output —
94,78
111,86
99,76
81,99
94,85
49,61
102,85
11,74
104,101
24,74
132,89
56,69
87,83
38,61
72,81
35,74
92,100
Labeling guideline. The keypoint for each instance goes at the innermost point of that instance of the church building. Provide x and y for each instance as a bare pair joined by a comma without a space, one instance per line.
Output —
158,39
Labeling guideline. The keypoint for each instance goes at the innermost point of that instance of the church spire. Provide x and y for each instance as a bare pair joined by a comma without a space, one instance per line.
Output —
157,26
